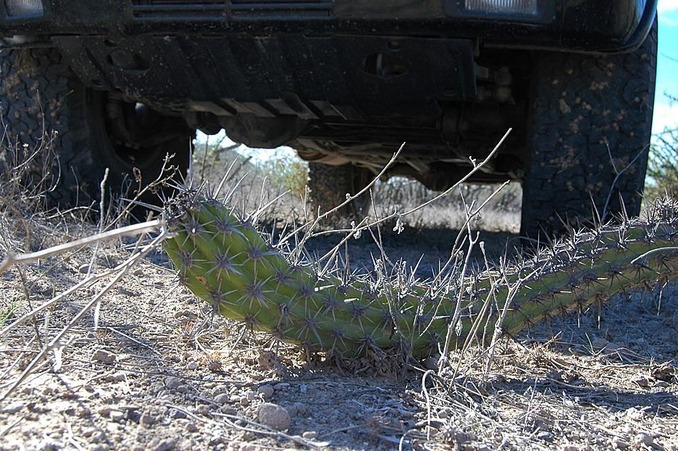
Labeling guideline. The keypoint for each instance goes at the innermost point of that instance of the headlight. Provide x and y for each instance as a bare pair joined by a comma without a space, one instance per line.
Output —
16,8
527,7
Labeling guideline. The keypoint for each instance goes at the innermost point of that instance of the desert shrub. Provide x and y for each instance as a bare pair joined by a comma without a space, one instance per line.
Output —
287,172
663,165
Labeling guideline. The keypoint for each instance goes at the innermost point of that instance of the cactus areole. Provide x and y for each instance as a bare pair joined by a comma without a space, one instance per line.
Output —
226,262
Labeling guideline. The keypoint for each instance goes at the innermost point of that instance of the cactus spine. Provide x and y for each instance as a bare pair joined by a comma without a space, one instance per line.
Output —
225,261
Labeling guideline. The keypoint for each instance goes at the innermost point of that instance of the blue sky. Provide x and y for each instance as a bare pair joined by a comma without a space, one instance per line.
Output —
665,114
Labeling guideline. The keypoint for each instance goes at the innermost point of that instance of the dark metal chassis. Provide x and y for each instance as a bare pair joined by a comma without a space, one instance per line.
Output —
340,80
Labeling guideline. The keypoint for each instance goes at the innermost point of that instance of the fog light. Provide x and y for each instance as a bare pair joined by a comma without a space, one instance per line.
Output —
24,8
528,7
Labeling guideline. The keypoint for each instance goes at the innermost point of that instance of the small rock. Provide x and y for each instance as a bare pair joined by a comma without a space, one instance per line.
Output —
202,409
162,445
172,382
50,444
118,377
641,380
117,416
147,419
274,416
14,407
299,409
219,389
281,386
643,439
103,356
176,414
97,436
569,448
38,407
83,412
222,398
266,391
191,427
634,414
545,435
310,435
229,410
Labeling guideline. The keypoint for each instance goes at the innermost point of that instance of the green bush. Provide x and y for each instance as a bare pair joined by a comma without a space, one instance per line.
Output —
662,168
289,173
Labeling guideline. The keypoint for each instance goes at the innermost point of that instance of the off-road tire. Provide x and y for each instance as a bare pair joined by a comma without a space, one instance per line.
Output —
48,113
329,185
590,119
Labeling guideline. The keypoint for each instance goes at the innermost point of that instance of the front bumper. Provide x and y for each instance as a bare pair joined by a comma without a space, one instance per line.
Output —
571,25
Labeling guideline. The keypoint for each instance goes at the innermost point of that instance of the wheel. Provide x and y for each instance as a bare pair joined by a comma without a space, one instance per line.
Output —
47,112
588,141
329,185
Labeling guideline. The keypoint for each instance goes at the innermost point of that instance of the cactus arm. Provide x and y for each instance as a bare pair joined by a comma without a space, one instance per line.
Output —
226,262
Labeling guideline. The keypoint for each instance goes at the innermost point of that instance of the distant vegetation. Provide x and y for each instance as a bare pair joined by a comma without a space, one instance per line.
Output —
662,169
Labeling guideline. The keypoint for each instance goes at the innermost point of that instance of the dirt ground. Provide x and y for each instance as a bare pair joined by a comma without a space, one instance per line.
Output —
149,367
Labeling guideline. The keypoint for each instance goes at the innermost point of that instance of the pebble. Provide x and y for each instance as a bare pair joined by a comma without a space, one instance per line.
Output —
176,414
117,416
266,391
97,436
172,382
147,419
117,377
644,439
13,408
83,412
274,416
281,386
162,445
202,409
219,389
222,398
545,435
103,356
641,380
310,435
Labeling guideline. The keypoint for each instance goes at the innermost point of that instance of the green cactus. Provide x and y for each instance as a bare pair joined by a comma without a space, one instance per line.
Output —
225,261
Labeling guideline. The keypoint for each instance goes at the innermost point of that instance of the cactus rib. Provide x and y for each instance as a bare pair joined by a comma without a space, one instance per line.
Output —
225,261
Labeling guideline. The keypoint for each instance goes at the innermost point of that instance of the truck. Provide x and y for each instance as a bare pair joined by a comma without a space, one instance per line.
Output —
118,89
